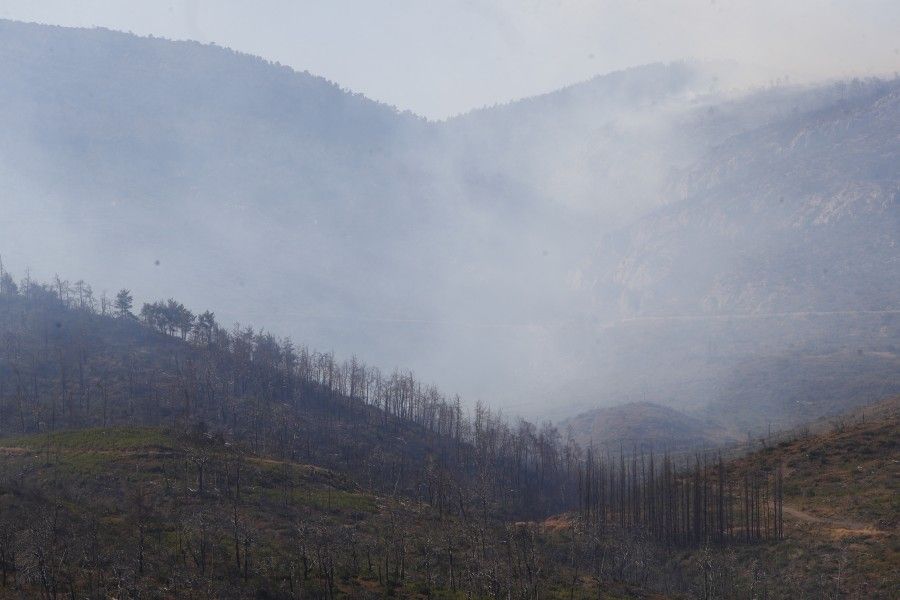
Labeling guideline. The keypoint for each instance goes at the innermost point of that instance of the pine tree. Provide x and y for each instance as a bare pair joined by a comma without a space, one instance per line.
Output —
124,303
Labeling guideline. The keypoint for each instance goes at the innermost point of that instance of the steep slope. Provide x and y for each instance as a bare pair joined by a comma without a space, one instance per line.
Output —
218,177
588,148
612,148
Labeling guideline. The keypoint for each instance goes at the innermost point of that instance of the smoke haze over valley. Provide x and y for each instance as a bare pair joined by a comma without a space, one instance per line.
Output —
453,299
555,251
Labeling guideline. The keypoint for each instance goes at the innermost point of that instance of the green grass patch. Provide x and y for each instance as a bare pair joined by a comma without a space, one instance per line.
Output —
104,439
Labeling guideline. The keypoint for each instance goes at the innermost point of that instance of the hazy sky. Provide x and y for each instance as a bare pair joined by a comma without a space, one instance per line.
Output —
439,57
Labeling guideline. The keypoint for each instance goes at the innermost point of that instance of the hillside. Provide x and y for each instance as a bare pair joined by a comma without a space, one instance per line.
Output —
168,513
137,456
164,453
837,507
157,513
841,506
173,514
66,364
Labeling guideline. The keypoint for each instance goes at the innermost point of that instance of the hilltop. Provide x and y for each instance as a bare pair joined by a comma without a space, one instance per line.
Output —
644,425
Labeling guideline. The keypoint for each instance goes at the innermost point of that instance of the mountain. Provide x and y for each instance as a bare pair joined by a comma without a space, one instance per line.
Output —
801,215
211,175
200,172
640,234
165,150
215,176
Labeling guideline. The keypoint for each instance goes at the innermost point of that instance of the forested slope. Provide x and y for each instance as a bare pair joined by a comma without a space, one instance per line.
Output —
66,365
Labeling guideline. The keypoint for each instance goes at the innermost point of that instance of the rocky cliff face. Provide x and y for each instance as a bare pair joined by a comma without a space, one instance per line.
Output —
800,215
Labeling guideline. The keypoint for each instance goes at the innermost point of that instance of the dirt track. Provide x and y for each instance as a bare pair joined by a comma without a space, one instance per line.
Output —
837,525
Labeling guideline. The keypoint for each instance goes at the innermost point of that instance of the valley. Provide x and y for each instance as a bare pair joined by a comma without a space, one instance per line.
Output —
261,336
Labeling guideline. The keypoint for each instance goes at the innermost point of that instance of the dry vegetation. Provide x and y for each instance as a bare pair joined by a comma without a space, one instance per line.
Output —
145,459
842,506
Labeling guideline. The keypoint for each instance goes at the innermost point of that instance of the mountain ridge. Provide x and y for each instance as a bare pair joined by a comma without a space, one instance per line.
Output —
217,178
